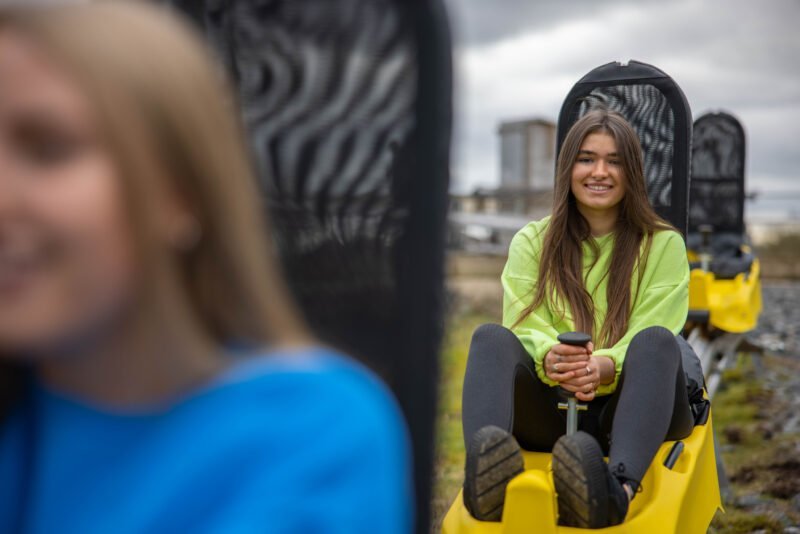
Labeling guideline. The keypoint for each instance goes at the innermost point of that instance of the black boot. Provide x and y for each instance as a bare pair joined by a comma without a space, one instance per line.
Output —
493,459
589,495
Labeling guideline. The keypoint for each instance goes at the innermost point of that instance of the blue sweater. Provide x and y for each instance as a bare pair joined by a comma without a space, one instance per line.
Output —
296,442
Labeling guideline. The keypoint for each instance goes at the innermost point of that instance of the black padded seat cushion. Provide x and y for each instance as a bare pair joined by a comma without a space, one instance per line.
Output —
729,259
729,268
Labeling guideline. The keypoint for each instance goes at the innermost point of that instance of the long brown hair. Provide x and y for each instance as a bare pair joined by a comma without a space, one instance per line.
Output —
156,91
560,278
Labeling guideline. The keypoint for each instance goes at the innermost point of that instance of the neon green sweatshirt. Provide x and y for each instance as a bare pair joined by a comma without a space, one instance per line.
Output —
663,299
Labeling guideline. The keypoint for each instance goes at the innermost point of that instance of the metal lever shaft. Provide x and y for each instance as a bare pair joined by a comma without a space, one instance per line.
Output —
577,339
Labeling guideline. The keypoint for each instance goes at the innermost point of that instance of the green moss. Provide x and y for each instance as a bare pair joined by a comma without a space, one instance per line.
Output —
737,401
738,521
742,410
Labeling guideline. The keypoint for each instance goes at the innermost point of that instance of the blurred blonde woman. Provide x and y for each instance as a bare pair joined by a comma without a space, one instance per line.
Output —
156,376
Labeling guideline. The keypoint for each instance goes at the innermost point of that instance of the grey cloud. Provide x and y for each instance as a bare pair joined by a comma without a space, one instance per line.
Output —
479,22
737,55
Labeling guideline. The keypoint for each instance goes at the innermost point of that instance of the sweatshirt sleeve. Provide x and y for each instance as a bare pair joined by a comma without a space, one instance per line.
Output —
661,300
535,331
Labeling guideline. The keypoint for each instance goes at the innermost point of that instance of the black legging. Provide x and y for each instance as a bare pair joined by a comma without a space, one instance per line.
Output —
650,404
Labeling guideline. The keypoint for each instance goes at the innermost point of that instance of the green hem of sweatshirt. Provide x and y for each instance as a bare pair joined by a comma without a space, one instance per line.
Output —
662,299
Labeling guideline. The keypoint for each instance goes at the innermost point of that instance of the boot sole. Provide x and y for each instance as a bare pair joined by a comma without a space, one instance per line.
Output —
580,481
493,459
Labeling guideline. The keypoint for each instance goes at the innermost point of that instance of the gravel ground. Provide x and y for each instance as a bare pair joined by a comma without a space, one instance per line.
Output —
778,328
778,332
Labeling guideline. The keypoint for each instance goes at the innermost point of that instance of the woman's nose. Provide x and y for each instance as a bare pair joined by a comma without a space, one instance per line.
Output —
600,169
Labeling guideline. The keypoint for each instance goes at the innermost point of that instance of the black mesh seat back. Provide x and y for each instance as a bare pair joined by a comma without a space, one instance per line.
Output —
718,160
328,91
657,109
348,107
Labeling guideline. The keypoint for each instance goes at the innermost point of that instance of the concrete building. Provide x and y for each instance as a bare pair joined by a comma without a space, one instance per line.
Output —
485,220
527,154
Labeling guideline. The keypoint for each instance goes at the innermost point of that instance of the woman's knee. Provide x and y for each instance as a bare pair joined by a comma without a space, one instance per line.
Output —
654,347
492,335
493,344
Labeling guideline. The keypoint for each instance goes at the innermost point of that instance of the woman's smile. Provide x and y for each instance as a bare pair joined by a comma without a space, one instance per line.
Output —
599,188
597,177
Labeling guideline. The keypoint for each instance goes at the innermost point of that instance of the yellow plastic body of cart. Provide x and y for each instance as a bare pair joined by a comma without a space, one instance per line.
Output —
733,305
682,500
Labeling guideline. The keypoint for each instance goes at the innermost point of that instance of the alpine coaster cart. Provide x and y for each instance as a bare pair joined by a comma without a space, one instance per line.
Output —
680,489
725,288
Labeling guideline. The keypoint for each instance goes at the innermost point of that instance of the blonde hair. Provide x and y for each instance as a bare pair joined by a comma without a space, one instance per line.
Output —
156,91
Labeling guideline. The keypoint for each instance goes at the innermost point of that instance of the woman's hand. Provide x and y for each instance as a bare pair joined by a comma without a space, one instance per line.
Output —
584,383
564,362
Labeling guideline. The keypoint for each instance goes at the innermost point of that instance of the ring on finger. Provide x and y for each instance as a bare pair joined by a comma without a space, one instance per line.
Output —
588,370
558,358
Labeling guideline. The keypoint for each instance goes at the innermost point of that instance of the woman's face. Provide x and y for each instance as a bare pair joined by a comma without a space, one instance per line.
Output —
598,182
66,248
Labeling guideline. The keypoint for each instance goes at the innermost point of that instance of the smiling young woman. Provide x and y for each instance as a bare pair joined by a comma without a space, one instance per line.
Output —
605,264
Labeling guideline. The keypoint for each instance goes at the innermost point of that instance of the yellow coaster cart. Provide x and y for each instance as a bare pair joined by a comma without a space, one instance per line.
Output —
725,288
680,489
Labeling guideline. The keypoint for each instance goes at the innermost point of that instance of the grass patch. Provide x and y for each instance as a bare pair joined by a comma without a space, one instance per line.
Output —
449,467
742,522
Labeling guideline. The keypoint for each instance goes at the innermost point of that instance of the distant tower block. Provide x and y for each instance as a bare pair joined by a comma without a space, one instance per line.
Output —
527,155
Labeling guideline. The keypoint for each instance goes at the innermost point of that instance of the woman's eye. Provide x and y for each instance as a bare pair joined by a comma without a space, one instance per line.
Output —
614,162
584,160
48,152
46,149
40,142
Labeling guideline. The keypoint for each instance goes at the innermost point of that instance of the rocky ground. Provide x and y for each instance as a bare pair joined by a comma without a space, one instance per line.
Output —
779,324
757,420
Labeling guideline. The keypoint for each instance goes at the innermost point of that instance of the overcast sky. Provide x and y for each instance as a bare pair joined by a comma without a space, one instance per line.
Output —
517,59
